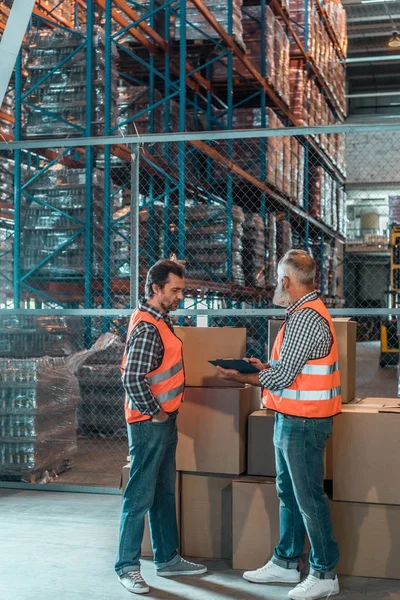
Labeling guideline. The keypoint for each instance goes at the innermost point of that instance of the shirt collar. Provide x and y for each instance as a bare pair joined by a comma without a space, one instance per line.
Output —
157,314
307,298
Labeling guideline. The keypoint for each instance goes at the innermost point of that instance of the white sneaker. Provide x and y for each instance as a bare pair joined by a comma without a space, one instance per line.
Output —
313,588
271,573
134,582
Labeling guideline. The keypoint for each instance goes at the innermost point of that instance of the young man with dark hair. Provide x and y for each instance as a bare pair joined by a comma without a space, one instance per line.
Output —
154,381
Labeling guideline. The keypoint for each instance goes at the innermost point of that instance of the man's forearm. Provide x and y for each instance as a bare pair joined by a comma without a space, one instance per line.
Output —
250,378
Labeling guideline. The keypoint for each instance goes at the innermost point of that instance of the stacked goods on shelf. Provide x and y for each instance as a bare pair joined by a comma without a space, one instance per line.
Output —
60,102
273,62
133,100
320,47
322,254
263,158
337,18
333,267
326,199
271,239
7,113
283,237
62,219
297,172
28,336
202,29
38,400
6,222
254,250
208,233
100,411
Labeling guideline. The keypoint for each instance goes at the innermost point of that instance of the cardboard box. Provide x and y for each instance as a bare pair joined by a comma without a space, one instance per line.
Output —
261,451
366,443
346,332
147,551
212,426
255,521
206,516
201,344
369,539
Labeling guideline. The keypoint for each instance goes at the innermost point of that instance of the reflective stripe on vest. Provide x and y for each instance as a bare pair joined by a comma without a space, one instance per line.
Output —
310,369
308,395
166,396
159,377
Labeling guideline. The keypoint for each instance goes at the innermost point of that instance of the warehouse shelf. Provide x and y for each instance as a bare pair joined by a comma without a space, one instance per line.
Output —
173,68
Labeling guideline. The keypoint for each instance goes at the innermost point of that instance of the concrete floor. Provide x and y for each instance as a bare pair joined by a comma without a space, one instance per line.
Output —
61,545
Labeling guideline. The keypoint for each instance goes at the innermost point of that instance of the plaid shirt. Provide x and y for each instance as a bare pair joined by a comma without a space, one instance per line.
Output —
145,352
307,337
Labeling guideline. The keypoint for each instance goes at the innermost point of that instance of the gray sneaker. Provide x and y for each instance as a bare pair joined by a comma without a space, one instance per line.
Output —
182,567
134,582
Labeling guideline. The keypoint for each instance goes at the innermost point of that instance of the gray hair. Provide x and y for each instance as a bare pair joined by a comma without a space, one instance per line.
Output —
301,264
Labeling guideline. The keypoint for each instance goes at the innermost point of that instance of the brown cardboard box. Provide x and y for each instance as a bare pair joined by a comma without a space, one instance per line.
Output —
369,539
201,344
212,427
255,521
366,442
346,332
261,452
147,551
206,516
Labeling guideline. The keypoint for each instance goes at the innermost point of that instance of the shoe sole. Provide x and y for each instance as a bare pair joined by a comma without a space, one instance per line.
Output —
328,595
143,591
281,581
183,573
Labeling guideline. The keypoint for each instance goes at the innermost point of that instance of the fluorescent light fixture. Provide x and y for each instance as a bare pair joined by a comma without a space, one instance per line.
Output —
394,41
376,1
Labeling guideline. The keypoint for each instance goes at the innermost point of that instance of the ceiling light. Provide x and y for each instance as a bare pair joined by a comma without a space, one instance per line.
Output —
394,41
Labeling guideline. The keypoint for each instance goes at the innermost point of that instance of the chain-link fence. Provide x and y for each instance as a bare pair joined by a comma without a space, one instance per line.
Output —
82,221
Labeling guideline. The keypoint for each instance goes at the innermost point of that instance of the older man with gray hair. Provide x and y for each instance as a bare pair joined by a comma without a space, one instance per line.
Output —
301,383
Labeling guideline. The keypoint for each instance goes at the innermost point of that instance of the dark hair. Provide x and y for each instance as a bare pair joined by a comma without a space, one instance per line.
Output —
158,274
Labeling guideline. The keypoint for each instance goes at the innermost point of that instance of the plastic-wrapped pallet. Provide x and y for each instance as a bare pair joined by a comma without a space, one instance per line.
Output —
207,224
23,336
101,409
254,253
252,32
282,59
249,154
315,191
283,237
64,190
38,401
150,226
60,102
333,266
220,12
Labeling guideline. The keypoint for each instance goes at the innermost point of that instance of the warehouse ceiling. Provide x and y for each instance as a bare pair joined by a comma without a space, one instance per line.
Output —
373,67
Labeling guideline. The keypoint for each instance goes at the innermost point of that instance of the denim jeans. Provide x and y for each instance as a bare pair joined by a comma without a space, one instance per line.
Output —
151,488
304,507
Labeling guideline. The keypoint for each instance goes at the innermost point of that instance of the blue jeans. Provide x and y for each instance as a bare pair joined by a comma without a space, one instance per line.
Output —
304,506
151,488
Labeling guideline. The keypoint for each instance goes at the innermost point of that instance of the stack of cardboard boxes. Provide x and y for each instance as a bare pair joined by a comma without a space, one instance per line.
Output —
212,442
227,504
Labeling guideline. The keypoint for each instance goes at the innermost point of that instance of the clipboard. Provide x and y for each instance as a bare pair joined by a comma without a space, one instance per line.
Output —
237,364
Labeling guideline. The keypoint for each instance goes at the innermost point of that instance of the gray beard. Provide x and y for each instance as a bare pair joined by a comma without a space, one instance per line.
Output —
281,297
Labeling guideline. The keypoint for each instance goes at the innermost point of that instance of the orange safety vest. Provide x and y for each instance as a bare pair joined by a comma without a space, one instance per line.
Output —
167,383
316,392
